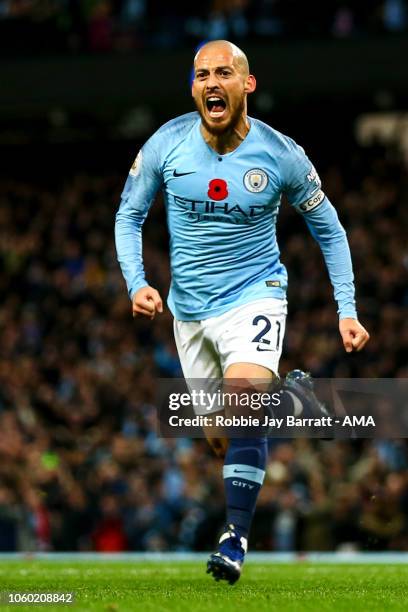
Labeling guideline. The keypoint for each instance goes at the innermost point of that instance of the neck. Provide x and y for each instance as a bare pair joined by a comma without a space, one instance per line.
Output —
229,140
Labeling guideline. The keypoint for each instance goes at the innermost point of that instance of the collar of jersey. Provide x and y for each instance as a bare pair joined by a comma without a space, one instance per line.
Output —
230,153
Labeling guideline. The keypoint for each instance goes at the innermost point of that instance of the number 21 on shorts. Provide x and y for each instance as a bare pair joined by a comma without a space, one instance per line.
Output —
269,334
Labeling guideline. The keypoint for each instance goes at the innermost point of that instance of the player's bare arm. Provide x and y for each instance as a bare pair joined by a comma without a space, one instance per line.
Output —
147,302
353,334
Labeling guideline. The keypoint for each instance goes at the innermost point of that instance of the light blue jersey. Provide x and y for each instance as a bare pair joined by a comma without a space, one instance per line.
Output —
221,212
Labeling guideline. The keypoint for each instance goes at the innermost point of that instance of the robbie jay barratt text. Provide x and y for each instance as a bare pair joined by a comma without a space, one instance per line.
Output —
289,421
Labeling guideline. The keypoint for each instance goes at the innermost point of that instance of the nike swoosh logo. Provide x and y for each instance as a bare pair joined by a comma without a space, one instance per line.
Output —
243,472
175,173
258,348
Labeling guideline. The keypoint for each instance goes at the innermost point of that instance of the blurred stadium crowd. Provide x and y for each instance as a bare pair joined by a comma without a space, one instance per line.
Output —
81,464
125,25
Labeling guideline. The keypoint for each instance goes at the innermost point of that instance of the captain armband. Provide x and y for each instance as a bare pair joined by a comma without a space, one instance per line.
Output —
312,203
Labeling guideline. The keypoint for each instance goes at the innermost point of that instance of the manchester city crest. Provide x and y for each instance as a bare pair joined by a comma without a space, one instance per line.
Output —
255,180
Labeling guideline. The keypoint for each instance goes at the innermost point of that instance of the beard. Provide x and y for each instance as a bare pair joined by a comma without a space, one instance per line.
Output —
222,128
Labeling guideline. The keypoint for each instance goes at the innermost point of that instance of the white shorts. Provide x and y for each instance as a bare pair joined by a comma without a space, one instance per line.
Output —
251,333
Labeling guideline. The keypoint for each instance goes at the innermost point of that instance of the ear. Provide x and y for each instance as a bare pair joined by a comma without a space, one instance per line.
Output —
250,84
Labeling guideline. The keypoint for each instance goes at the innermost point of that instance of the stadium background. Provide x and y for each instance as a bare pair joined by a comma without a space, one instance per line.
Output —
83,85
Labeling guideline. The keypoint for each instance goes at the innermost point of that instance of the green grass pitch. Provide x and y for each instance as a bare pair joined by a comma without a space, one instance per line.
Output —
183,586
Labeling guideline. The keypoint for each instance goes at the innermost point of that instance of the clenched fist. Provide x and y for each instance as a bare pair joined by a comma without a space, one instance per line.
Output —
354,335
147,302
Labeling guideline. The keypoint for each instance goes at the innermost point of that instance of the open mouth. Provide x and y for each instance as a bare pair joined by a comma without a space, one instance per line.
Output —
215,106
